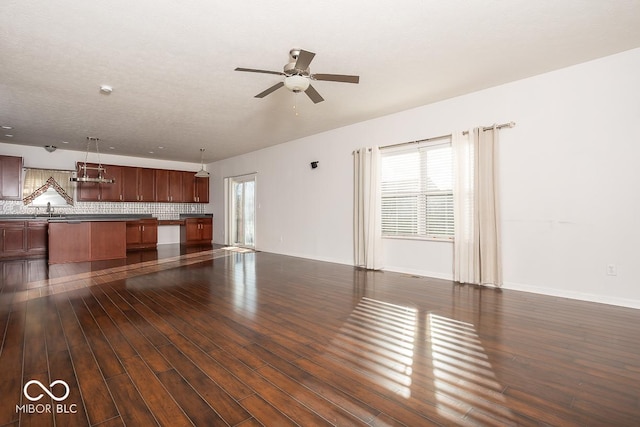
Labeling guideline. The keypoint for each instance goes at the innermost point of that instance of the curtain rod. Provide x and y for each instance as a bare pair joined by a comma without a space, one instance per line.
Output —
435,138
503,125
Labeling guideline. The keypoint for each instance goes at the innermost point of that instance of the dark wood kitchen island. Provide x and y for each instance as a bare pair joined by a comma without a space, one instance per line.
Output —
94,240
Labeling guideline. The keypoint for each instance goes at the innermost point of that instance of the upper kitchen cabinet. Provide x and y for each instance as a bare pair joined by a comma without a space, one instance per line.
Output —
138,184
112,192
202,190
10,178
100,192
134,184
169,186
195,190
87,191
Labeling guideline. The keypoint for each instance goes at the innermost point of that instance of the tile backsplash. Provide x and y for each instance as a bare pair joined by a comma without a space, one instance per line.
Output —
159,210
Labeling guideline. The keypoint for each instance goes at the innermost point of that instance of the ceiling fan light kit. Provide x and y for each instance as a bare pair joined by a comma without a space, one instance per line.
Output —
297,77
296,83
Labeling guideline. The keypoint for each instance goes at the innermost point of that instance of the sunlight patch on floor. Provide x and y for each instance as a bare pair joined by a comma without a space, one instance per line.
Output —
463,376
377,340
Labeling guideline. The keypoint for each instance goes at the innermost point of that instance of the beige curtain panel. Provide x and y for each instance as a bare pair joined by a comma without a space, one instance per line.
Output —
477,256
367,219
488,205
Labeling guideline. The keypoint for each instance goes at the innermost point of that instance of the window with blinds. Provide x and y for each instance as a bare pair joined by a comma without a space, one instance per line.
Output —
417,191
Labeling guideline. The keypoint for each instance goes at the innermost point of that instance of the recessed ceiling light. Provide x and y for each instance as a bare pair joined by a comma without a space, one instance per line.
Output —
65,142
112,148
106,89
150,152
9,135
7,127
162,148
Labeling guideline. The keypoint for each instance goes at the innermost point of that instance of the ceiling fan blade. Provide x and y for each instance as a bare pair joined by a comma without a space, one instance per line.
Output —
304,59
336,78
253,70
268,91
313,94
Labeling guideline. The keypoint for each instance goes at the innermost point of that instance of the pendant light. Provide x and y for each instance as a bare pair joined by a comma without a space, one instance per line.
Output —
84,177
202,173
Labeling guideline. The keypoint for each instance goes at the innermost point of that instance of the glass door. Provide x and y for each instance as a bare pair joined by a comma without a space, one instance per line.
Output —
241,208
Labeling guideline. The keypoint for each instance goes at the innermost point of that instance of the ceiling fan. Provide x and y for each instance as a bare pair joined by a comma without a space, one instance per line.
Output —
297,77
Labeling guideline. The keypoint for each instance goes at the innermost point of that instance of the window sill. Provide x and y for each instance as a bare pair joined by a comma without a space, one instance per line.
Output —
430,239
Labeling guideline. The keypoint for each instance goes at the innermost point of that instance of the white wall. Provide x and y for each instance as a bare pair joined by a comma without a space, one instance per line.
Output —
569,178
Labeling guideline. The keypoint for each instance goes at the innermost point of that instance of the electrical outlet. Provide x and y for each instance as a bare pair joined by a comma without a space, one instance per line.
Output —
612,270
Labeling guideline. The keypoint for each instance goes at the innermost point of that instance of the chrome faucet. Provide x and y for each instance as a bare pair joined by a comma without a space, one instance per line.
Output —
50,209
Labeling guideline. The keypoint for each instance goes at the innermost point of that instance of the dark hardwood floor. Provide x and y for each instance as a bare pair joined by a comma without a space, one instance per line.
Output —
244,339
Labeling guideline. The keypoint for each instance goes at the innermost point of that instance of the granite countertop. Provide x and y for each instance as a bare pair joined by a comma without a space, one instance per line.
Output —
95,217
75,217
99,217
205,215
22,217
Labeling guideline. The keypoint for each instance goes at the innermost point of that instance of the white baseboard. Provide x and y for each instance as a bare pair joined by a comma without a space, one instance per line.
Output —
312,257
602,299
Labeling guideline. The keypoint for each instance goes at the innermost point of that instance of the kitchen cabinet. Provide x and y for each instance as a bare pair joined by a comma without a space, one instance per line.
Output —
169,186
37,237
112,192
10,178
134,184
130,189
98,192
87,191
202,190
142,234
13,240
195,190
196,231
20,239
138,184
92,241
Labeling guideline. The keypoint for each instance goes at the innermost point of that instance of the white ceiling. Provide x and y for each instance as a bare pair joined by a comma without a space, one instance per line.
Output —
171,64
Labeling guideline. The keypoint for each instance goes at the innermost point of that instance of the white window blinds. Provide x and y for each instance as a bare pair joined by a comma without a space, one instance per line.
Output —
417,191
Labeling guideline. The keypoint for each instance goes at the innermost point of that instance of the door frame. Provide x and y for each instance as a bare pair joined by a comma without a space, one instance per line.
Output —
228,205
